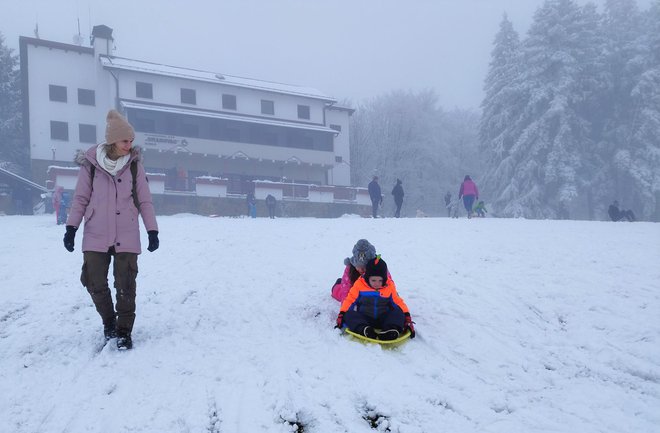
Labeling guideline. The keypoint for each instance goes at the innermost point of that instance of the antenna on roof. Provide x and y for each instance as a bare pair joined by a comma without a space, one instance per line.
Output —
36,27
89,23
78,39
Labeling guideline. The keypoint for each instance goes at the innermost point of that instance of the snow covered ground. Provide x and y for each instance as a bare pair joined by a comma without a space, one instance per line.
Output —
523,326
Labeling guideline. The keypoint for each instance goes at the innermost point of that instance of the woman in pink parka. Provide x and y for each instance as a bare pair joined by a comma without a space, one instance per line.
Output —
469,193
112,190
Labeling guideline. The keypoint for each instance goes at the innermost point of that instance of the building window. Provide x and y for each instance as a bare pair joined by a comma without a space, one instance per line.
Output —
144,124
87,133
188,96
229,102
262,134
144,90
169,122
338,158
189,130
59,130
267,107
300,139
57,93
86,97
303,111
336,127
232,134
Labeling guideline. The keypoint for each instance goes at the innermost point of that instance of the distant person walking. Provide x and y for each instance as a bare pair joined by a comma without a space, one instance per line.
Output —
271,201
398,194
617,214
57,202
65,205
251,201
376,196
469,192
448,203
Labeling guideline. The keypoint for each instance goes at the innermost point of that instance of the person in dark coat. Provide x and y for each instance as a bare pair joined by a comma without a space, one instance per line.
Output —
617,214
448,203
397,192
376,196
65,205
271,201
251,205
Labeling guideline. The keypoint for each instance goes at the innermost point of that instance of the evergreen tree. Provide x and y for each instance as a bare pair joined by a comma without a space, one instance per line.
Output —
500,109
592,84
639,156
621,25
578,125
10,107
547,158
631,131
500,91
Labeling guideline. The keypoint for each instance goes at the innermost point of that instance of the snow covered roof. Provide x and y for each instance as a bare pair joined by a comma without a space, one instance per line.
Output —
340,107
216,115
211,77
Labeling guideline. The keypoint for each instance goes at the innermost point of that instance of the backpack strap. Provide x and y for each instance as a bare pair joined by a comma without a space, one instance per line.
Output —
92,172
136,202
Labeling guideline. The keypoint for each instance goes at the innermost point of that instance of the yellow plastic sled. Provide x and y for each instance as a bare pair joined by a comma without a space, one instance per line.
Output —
385,343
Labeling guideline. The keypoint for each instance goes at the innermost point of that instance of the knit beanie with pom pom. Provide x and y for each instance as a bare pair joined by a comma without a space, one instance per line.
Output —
117,128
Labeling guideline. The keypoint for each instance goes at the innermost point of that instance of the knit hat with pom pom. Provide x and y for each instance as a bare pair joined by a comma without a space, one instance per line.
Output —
363,251
117,128
376,268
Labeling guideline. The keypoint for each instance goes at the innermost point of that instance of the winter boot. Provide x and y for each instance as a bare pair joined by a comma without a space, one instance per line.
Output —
369,332
388,335
110,330
124,341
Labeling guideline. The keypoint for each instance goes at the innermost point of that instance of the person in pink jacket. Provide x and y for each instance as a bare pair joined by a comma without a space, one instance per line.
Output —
111,192
469,192
363,251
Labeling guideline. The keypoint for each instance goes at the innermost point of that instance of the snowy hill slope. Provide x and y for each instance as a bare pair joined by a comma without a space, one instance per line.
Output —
523,326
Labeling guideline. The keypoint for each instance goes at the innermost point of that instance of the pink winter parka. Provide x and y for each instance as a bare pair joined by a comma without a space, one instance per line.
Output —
111,218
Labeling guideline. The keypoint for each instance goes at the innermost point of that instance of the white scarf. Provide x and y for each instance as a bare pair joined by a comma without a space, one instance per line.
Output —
108,164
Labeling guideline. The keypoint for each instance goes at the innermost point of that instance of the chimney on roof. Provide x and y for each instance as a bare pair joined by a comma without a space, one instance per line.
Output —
102,40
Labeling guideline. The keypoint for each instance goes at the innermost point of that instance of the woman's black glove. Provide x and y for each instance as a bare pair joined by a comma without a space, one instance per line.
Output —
153,240
69,237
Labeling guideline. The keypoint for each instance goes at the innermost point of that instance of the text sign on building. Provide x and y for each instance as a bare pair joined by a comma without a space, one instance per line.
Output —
167,140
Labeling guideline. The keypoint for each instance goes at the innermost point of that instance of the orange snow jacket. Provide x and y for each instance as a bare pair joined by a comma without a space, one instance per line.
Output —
372,302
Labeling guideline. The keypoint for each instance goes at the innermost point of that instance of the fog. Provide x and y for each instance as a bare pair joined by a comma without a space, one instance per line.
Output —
349,50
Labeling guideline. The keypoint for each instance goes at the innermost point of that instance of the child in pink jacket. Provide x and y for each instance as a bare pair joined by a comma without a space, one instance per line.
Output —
363,251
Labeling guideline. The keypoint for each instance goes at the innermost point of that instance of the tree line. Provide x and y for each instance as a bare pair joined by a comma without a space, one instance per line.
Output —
569,122
13,153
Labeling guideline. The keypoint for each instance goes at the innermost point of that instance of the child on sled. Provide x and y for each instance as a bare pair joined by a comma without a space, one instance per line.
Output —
480,209
373,307
363,251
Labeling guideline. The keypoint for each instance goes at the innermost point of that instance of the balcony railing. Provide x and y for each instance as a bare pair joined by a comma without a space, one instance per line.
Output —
208,186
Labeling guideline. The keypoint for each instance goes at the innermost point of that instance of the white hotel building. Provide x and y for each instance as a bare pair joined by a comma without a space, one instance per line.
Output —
192,125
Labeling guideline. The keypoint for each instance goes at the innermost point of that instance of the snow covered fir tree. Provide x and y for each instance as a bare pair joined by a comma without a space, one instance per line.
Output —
10,108
571,115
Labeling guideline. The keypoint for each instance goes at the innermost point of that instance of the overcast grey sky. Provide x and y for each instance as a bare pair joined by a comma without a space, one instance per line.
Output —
353,49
